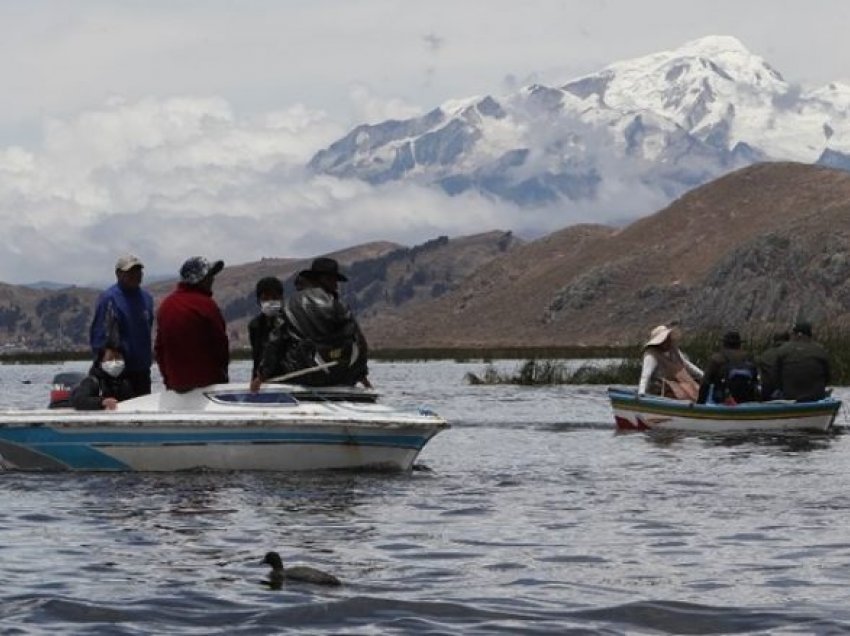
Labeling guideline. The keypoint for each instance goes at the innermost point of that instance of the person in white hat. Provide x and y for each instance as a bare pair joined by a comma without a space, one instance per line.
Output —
666,371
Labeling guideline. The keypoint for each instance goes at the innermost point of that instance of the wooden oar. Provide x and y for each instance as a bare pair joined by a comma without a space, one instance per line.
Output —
300,372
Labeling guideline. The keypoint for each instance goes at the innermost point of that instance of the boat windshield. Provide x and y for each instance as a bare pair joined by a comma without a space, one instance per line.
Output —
266,398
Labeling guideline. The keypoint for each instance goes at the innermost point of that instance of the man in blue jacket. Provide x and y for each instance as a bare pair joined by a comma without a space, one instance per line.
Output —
123,319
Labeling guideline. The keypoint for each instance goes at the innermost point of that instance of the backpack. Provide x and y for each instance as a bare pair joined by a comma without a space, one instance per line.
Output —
739,381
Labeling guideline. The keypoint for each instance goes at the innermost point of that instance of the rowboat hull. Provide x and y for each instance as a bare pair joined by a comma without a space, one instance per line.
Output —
633,413
220,428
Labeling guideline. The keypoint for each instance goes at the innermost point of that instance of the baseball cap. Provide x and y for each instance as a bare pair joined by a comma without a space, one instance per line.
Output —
128,262
196,268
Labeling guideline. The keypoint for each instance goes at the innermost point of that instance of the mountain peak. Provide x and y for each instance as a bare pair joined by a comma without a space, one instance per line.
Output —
674,119
713,45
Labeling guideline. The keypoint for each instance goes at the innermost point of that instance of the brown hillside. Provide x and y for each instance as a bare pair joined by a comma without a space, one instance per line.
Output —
755,249
594,285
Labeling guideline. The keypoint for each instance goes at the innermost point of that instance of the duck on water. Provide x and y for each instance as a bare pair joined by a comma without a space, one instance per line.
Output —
295,574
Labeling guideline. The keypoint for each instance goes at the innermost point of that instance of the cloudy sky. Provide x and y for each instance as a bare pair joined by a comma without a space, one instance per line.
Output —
171,128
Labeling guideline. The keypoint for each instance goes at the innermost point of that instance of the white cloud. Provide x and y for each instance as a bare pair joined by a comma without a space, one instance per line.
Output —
165,171
171,178
139,169
370,109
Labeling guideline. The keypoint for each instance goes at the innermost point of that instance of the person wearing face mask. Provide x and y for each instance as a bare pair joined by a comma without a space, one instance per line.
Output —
105,385
270,298
319,330
124,317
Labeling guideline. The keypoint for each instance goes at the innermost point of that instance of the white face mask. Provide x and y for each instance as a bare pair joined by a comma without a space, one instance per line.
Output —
112,367
270,307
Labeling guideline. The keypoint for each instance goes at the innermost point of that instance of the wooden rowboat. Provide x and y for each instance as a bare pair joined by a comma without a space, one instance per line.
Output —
650,412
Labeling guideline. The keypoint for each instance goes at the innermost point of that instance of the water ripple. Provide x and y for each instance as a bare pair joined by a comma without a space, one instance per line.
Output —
533,517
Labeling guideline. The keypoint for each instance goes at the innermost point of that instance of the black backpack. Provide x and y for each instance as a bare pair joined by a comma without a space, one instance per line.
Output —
740,381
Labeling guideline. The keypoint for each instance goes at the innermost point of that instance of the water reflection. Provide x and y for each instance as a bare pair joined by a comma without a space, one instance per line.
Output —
790,442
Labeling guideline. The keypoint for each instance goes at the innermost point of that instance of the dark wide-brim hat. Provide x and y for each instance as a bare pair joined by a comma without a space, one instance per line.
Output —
323,266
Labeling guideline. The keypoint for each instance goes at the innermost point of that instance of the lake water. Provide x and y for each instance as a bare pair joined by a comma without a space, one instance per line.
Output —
529,516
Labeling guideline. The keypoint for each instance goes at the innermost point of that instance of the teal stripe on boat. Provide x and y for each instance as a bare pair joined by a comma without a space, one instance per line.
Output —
748,411
44,436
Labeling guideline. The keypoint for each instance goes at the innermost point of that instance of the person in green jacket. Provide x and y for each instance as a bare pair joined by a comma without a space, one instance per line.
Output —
802,367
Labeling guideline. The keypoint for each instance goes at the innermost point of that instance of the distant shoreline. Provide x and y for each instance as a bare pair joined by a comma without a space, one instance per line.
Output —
388,354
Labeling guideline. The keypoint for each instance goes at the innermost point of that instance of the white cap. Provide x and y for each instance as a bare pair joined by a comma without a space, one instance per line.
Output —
127,262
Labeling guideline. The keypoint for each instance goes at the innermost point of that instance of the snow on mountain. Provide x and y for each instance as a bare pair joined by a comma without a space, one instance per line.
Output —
668,121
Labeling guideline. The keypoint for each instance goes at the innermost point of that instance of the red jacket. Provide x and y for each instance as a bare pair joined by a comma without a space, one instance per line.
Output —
191,344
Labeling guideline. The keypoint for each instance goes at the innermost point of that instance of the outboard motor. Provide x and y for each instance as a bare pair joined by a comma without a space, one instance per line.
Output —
63,384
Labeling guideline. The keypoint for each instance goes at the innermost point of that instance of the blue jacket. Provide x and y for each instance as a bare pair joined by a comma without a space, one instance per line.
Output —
125,315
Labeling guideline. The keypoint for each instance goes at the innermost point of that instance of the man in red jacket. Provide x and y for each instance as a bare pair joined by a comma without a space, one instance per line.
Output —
191,344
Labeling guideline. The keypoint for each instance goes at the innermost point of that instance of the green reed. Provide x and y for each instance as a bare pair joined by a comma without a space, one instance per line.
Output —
548,372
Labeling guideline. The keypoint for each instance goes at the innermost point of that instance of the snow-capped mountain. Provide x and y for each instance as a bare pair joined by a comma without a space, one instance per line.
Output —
667,121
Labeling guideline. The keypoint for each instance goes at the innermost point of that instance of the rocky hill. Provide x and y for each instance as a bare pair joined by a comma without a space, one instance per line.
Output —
756,248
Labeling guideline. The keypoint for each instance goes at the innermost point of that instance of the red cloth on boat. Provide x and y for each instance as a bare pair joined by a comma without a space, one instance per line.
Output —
191,344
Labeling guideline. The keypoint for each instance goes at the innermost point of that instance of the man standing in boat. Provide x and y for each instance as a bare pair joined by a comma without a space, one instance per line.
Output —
123,319
269,292
319,331
192,348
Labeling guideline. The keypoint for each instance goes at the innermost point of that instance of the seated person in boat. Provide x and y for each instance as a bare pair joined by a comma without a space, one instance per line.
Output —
802,368
766,364
269,293
666,371
730,376
105,385
319,331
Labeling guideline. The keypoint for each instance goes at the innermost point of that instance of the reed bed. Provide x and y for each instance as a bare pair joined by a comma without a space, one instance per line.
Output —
548,372
698,347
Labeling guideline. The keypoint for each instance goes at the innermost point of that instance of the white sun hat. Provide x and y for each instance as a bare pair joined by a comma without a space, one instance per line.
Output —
658,335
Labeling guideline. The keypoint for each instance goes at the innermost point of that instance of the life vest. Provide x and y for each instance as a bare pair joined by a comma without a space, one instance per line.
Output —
739,381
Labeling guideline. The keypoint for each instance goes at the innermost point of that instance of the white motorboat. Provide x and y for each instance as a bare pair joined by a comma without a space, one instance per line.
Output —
222,427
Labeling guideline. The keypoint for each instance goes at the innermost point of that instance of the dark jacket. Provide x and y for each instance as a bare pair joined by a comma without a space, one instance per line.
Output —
88,395
766,363
802,370
318,328
192,348
716,376
124,319
260,330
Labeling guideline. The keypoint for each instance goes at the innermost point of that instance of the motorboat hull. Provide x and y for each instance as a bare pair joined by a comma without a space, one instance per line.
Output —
633,413
223,427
